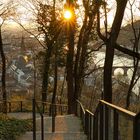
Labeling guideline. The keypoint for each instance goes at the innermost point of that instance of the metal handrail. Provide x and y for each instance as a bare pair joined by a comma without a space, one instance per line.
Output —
85,114
119,109
21,106
99,125
51,103
41,112
35,106
82,107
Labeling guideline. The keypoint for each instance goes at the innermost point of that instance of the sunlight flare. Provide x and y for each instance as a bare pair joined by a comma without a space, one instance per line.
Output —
67,14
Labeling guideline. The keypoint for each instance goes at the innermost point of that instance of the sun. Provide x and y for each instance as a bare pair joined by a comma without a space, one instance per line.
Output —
67,14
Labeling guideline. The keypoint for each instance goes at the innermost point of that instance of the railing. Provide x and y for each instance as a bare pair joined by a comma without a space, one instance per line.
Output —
26,106
110,122
40,107
54,108
87,120
17,106
35,106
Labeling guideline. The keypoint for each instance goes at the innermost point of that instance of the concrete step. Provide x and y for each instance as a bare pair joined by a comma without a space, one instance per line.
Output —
54,136
68,127
66,123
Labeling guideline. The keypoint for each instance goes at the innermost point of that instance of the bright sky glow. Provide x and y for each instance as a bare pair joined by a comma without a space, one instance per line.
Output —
25,11
111,9
1,20
67,14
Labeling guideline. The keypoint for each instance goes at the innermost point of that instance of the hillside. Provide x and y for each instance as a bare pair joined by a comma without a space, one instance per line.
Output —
126,36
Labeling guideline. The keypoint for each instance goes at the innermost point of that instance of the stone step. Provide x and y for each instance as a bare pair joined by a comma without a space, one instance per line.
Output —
54,136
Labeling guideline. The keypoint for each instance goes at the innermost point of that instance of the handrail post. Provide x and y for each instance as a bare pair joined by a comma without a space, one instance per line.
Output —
101,122
82,116
42,120
136,127
94,128
53,117
90,127
34,119
20,106
106,122
115,136
81,113
42,127
9,106
43,107
86,124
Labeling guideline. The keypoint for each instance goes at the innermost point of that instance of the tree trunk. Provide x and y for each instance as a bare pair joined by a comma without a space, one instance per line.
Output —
108,73
4,94
45,81
110,49
69,65
53,107
46,74
77,77
81,54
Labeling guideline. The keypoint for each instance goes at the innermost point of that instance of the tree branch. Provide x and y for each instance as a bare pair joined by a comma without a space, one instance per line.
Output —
126,51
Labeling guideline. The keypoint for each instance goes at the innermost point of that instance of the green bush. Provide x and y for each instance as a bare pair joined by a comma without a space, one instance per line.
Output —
10,128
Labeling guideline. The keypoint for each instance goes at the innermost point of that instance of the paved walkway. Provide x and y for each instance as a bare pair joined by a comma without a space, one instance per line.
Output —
68,127
21,115
55,136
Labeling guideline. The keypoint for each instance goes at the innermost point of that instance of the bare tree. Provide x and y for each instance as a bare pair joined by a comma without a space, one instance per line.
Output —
135,42
110,41
6,10
50,26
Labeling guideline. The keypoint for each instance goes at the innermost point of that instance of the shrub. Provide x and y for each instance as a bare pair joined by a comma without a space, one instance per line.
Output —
10,128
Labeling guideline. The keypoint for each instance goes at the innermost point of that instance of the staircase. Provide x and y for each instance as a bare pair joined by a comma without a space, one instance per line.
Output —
68,127
108,122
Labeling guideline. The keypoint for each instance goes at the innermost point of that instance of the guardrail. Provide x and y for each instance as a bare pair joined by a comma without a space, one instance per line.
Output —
110,122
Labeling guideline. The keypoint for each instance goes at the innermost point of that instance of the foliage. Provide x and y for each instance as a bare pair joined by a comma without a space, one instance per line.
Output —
47,21
10,128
